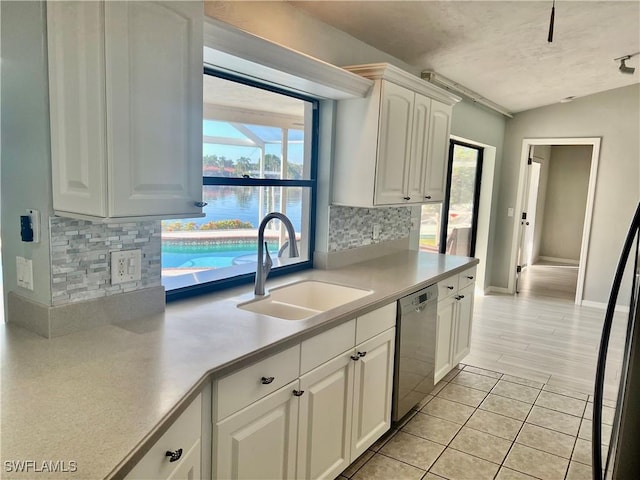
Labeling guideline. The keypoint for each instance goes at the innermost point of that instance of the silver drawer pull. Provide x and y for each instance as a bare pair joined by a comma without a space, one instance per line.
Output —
355,357
298,393
174,456
362,354
470,277
450,287
267,380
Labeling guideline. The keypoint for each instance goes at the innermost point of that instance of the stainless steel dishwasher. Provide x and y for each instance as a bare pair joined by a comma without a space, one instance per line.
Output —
415,350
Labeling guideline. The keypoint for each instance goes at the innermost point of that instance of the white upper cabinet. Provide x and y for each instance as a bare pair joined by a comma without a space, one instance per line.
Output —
125,85
391,147
437,152
396,118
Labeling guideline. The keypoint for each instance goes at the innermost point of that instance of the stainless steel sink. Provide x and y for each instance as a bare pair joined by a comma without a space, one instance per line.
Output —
303,299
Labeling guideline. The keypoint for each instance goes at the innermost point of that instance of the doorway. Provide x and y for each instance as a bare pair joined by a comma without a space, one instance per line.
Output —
555,203
460,209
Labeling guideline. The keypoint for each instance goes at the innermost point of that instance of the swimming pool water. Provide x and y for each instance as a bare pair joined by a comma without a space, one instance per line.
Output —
207,259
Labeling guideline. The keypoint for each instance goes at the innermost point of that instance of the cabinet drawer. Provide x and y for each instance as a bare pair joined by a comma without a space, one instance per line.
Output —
467,278
325,346
183,434
373,323
239,389
447,287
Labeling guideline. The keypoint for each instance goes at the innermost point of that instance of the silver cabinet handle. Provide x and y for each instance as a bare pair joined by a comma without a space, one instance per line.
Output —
450,287
428,197
406,198
267,380
174,456
362,354
200,204
470,277
298,393
355,357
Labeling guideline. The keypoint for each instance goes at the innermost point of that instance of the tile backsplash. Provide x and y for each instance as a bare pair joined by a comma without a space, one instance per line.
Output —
80,257
352,227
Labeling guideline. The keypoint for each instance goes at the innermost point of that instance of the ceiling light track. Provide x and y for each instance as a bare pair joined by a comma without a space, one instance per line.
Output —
461,90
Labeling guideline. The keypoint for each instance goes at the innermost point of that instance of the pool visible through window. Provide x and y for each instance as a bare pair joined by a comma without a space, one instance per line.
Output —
258,157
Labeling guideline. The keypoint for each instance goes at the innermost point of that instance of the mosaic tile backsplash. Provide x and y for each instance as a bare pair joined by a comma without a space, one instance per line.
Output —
352,227
80,257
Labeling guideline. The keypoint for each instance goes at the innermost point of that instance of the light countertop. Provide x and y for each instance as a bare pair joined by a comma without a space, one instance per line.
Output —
101,397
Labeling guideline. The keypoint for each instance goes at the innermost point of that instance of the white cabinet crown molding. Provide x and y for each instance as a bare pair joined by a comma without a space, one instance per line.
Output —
391,73
248,55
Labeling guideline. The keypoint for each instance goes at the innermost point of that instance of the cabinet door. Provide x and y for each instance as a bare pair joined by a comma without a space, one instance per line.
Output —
396,117
464,317
419,150
324,431
373,384
438,147
189,465
75,39
260,440
153,54
184,434
444,337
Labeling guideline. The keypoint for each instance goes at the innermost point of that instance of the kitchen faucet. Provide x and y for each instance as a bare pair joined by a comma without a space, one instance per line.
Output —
264,265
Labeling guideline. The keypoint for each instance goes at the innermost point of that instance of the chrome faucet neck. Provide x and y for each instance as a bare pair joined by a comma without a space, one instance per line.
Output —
264,265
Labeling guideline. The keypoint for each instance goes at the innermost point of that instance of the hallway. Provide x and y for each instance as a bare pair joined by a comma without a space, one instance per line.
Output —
549,279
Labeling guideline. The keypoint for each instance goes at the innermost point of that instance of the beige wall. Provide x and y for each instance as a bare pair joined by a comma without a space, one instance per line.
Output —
282,23
565,202
292,28
26,164
615,117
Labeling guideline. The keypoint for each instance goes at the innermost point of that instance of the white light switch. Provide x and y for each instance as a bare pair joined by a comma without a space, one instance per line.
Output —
126,266
510,212
24,272
376,231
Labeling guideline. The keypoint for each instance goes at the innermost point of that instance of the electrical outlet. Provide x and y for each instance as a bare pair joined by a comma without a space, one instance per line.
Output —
126,266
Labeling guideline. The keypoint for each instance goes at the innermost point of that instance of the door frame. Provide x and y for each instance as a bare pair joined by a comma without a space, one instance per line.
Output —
523,177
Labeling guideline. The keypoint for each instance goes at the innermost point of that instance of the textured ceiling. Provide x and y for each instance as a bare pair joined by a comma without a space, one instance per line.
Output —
499,49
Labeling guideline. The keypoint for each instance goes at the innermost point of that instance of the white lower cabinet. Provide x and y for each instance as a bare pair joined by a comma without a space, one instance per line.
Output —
316,425
177,454
455,319
345,408
444,336
373,385
462,344
260,440
324,438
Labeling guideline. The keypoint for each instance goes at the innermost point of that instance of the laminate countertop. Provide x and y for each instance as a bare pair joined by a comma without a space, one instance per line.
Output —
101,397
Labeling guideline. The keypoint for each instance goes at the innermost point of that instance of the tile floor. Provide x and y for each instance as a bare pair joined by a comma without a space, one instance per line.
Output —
481,424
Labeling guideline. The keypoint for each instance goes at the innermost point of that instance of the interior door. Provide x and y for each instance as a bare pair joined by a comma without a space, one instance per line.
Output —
528,224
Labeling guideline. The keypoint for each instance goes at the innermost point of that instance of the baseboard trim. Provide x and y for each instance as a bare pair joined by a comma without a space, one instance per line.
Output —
603,306
570,261
492,289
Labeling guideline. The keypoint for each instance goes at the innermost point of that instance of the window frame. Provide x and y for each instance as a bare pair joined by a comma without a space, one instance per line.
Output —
247,278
